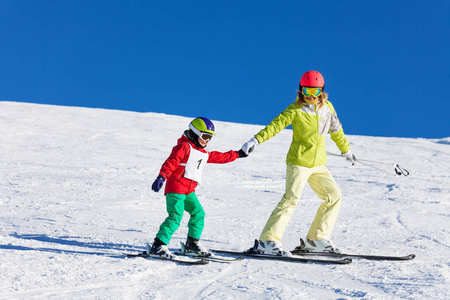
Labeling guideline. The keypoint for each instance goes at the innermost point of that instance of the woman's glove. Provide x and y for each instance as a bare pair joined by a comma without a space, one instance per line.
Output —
350,157
158,183
250,145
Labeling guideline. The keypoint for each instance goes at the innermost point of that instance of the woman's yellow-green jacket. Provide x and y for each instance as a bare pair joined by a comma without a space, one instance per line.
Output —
310,125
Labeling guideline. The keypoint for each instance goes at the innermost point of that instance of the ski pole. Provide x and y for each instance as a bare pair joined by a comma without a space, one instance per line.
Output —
398,170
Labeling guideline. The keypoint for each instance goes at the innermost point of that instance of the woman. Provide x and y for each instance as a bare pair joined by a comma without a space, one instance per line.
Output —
311,116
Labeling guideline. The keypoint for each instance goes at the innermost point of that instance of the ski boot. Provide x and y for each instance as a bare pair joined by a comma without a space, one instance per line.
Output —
194,246
269,248
314,246
159,248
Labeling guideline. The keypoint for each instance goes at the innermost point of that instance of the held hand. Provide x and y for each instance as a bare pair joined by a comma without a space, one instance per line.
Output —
242,154
250,146
350,157
158,183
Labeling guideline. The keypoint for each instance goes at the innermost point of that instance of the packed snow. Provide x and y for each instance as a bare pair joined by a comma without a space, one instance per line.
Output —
76,194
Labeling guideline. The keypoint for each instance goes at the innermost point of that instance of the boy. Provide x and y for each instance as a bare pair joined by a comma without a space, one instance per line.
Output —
183,171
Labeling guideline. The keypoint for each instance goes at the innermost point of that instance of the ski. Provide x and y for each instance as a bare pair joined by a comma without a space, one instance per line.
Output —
299,251
190,261
210,257
342,261
362,256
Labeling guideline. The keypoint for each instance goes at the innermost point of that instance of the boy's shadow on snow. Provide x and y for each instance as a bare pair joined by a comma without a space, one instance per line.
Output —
69,241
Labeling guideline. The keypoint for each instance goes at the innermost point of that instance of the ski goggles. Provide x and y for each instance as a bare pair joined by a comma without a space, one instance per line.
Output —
204,136
311,91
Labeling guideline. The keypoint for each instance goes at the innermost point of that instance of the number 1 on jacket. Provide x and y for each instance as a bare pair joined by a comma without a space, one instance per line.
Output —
196,163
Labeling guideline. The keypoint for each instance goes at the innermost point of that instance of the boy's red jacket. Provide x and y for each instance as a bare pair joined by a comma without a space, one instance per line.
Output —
174,173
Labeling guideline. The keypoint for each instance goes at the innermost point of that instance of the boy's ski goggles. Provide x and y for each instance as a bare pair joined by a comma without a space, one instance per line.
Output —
311,91
206,137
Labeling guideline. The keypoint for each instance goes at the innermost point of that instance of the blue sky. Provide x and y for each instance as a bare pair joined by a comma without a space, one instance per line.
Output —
386,63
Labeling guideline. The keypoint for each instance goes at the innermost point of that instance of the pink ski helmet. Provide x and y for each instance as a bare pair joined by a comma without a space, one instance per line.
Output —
312,79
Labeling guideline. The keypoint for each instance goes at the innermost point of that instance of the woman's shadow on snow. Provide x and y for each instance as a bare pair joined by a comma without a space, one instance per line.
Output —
70,241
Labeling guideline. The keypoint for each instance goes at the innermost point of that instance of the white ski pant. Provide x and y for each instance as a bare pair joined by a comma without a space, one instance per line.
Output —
323,184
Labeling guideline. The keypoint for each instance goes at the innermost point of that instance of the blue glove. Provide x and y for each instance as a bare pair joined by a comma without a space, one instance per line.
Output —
242,153
157,185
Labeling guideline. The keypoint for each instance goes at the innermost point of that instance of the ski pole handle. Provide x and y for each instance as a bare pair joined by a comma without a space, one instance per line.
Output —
398,170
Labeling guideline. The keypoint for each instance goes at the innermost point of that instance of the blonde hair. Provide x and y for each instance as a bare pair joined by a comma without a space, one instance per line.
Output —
322,98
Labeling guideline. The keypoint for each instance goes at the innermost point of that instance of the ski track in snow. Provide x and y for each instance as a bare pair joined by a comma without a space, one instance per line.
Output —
76,194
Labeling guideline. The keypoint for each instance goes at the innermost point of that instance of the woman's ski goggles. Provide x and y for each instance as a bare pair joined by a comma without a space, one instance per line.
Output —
311,91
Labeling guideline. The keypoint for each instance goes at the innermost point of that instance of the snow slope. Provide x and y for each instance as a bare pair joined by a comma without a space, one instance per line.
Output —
75,192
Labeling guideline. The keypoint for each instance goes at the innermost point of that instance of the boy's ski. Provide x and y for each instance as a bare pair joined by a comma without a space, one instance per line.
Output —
363,256
210,257
185,261
342,261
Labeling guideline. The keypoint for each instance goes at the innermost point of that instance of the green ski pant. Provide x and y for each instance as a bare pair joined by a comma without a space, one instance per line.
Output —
176,205
322,183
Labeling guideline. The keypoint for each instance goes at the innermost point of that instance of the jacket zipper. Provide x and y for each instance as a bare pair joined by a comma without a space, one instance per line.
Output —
317,135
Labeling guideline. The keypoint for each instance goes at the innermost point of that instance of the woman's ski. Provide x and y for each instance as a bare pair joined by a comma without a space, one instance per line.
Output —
363,256
342,261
